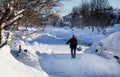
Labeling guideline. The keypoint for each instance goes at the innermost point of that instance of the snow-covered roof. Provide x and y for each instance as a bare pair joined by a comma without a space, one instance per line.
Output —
116,12
66,22
69,16
45,15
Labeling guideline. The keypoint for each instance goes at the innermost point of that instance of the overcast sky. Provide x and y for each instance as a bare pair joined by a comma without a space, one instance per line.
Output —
69,5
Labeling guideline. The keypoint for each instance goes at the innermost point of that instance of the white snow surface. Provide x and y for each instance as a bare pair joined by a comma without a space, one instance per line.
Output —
10,67
48,55
110,45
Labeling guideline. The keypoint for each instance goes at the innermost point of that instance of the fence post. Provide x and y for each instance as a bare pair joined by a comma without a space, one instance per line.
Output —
20,48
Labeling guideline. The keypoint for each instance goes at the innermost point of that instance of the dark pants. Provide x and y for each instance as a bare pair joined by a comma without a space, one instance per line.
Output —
73,52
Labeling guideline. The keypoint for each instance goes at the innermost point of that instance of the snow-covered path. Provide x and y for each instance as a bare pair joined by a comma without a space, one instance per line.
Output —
56,61
86,65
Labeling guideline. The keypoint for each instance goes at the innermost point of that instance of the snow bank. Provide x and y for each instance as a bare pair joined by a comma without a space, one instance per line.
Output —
28,59
113,29
59,35
110,46
10,67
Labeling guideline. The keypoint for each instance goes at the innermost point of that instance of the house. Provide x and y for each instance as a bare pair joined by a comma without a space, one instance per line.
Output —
49,19
72,19
67,20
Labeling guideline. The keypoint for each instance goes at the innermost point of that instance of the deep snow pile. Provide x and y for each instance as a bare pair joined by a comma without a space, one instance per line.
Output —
110,46
11,67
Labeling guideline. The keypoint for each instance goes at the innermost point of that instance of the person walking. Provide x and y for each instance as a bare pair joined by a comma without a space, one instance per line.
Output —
73,45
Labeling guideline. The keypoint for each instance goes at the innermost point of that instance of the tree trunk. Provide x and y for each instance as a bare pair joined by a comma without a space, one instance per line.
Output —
0,31
0,35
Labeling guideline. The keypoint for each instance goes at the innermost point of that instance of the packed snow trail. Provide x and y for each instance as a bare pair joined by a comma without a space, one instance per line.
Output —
86,65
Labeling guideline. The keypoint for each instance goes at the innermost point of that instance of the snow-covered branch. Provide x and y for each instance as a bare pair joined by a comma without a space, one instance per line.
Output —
14,13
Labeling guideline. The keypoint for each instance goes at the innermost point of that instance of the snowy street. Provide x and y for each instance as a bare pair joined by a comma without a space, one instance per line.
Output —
59,38
50,53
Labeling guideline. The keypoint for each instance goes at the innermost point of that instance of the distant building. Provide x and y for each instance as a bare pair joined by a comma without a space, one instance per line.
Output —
49,19
67,20
72,19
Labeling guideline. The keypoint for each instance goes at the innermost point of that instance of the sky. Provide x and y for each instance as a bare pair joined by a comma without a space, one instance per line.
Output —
69,5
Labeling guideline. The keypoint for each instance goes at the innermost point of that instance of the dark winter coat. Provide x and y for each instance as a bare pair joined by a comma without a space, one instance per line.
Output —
73,42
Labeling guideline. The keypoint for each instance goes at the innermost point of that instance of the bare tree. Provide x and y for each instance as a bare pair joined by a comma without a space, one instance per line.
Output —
94,13
13,13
